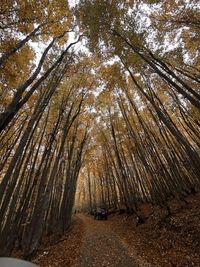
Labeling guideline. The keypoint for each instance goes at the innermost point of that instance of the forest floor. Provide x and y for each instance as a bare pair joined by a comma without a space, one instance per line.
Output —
163,240
102,246
65,252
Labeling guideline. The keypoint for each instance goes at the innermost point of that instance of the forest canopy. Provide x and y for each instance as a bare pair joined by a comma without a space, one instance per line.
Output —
105,93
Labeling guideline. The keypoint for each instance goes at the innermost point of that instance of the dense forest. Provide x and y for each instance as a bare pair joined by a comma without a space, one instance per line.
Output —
103,92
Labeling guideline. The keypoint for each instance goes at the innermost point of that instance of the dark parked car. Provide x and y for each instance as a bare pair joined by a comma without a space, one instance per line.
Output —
101,214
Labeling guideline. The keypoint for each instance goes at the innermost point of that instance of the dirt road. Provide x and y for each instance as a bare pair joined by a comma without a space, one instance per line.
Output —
102,247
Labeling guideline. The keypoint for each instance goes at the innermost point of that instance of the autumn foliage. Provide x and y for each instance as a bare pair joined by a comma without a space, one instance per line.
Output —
105,93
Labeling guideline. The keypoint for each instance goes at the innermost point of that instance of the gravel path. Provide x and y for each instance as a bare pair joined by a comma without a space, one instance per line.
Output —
102,247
